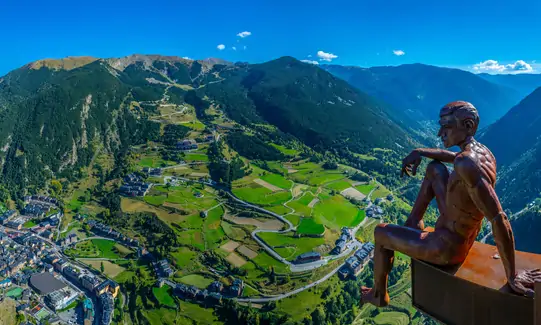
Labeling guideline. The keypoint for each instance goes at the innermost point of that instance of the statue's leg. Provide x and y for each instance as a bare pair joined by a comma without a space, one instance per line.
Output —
412,242
434,185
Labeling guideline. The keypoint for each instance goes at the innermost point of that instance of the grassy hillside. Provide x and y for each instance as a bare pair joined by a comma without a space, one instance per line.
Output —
307,102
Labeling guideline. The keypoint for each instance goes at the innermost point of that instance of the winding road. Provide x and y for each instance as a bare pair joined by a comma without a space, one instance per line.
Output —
350,246
293,267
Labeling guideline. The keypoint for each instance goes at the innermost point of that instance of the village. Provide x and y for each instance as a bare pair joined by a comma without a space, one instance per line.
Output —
37,274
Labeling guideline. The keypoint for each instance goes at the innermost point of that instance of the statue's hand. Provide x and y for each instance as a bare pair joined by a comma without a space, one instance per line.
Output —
523,283
410,163
415,224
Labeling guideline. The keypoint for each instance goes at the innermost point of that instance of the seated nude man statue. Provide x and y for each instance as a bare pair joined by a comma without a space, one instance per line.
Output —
463,197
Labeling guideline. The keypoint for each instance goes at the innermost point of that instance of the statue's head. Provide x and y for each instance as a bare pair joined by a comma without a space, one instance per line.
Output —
458,121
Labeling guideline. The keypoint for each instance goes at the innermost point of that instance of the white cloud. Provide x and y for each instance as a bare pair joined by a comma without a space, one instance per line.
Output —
309,55
187,58
220,47
398,52
323,56
493,66
234,48
245,47
519,65
244,34
310,61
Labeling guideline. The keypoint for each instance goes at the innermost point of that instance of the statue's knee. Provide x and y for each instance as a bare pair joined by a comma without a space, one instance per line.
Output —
380,232
436,169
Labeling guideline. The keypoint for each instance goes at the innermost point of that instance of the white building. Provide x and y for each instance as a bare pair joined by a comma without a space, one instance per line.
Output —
61,298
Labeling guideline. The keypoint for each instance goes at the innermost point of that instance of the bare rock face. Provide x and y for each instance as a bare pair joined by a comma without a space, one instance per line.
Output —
69,63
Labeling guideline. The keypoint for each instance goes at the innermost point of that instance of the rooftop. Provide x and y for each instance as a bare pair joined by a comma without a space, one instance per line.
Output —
46,283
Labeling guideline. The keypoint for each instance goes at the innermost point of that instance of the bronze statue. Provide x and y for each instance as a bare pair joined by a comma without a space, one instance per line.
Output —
463,197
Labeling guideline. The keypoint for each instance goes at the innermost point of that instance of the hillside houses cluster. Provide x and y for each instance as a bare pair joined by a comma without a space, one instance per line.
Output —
7,215
191,144
24,251
307,258
36,210
214,293
25,261
36,207
163,269
354,264
105,290
187,144
374,211
341,242
39,205
152,171
134,186
46,227
107,303
41,199
107,231
16,222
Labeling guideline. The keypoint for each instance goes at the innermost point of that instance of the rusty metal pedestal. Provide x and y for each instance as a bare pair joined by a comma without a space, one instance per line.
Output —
475,292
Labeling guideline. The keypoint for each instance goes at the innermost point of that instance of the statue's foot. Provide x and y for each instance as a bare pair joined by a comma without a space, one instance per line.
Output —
368,295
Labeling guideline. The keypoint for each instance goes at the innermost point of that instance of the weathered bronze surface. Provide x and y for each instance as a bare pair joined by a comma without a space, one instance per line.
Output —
474,292
464,197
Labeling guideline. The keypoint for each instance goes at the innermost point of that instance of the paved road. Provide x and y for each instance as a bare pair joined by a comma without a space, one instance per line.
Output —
293,267
352,245
101,259
255,207
285,295
93,237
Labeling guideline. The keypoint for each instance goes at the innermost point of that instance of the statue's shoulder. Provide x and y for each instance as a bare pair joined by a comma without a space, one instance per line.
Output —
465,161
474,164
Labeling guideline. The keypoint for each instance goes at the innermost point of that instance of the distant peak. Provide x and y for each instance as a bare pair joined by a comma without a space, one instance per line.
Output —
68,63
147,60
214,61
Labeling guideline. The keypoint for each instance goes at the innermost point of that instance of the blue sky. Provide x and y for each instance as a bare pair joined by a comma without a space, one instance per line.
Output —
365,32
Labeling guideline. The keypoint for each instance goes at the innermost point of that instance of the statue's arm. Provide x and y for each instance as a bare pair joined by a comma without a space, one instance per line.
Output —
484,196
437,154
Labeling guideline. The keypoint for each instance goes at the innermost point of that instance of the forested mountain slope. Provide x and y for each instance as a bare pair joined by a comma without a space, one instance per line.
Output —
419,90
57,114
514,140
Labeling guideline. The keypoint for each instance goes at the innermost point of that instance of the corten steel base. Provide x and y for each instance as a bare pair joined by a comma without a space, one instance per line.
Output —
537,303
475,292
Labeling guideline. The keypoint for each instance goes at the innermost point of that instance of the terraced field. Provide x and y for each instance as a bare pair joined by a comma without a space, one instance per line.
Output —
290,247
336,212
260,195
392,318
308,226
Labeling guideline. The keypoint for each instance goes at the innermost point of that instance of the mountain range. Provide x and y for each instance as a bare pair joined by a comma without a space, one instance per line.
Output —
419,91
514,140
55,115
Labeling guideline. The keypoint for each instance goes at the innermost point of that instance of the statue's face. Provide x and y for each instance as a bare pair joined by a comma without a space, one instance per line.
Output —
451,132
